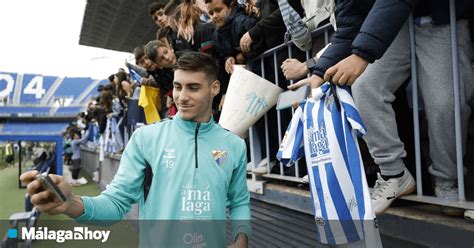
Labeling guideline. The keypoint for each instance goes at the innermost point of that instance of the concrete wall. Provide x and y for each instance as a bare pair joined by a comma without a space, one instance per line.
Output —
107,170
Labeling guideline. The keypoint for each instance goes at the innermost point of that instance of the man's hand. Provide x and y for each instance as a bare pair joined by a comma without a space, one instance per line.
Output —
221,104
245,43
229,65
347,70
46,201
241,241
150,81
314,81
294,69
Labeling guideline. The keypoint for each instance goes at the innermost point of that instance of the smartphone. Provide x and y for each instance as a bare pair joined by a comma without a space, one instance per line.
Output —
49,184
287,98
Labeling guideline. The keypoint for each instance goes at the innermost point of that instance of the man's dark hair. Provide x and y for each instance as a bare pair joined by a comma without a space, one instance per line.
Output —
111,78
139,53
155,6
150,49
198,62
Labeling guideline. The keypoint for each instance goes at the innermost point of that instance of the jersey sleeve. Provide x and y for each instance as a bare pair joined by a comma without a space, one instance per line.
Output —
351,113
292,145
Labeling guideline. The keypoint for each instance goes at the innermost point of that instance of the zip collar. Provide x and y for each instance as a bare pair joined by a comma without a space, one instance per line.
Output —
190,126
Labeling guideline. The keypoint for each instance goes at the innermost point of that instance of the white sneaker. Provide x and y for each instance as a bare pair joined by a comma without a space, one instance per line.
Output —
385,192
82,181
448,191
261,167
469,215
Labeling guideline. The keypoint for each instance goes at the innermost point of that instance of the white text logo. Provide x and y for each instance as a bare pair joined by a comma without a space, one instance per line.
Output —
79,233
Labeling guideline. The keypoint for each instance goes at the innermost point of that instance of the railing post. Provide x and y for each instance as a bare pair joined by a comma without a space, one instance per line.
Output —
277,82
416,122
297,168
267,139
457,99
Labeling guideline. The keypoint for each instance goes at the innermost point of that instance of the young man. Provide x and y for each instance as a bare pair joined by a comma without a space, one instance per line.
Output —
186,168
158,14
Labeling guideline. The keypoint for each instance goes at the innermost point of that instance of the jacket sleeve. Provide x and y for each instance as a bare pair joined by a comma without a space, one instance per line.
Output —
365,34
380,28
243,24
238,196
271,22
349,19
124,190
140,71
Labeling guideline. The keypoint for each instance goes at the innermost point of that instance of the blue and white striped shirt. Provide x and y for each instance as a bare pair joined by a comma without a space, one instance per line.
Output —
327,136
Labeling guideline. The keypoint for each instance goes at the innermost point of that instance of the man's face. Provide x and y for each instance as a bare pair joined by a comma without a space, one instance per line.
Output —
193,94
165,57
218,12
146,63
160,18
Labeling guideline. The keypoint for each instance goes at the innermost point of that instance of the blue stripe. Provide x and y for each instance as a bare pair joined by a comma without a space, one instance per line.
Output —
352,113
321,113
325,87
309,115
355,168
298,149
319,191
339,131
340,204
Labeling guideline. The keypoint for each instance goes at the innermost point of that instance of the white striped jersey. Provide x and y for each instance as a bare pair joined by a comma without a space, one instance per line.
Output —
327,135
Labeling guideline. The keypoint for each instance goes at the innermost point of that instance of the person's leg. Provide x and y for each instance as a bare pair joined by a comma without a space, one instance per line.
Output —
433,48
76,167
373,94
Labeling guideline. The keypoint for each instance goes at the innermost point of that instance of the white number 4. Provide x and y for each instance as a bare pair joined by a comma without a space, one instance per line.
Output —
35,87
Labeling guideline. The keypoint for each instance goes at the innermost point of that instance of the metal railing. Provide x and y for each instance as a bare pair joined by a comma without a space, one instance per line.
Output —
255,146
255,155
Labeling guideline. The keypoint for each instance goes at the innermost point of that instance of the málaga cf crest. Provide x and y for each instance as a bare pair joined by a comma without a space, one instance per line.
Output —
219,156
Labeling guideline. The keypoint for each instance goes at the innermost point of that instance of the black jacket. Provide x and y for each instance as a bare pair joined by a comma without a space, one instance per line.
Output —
164,78
368,27
227,38
270,28
202,38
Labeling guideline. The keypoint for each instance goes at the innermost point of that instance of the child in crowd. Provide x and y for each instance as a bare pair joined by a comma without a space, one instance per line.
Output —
76,156
231,23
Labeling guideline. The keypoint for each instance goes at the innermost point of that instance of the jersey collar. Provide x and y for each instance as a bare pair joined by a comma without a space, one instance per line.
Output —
190,126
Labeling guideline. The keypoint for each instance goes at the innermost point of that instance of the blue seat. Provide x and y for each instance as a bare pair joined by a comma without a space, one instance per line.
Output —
25,110
72,87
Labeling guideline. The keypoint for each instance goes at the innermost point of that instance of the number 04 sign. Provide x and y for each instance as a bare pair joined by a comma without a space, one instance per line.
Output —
34,87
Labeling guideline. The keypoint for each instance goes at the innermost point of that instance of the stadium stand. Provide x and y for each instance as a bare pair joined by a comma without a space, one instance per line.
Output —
32,128
34,95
